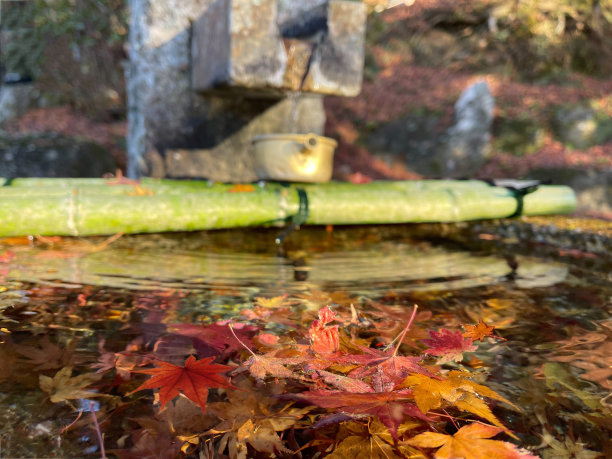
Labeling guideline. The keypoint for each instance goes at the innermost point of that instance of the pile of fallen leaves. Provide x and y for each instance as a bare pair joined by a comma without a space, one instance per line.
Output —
266,386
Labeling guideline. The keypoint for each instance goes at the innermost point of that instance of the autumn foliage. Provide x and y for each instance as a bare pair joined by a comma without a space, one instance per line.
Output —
286,379
330,389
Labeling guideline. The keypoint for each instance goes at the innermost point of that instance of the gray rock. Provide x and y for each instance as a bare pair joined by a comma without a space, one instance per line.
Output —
466,144
15,100
52,155
161,102
464,147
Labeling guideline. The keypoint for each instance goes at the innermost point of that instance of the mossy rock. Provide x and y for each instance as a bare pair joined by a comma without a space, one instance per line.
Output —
581,126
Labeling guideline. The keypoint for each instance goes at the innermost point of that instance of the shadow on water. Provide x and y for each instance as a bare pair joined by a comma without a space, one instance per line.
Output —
66,302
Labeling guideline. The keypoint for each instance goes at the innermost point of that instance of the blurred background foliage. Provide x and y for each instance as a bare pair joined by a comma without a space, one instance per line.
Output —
526,39
72,49
544,37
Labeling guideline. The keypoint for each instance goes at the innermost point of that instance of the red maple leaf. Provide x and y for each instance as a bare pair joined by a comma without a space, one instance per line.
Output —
388,364
390,407
323,338
448,345
393,366
193,380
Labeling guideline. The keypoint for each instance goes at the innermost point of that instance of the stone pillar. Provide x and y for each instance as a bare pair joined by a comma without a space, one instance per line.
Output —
205,76
161,103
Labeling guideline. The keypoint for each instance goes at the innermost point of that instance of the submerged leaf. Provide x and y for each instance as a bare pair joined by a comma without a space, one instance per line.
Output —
390,407
469,442
64,387
193,380
215,339
46,355
448,345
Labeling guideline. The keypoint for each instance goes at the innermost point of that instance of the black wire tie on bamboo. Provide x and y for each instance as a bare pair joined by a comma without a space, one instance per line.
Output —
297,219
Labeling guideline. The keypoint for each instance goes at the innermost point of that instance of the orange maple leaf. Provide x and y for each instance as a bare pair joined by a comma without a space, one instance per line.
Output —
469,442
324,339
261,365
480,331
193,380
456,389
241,188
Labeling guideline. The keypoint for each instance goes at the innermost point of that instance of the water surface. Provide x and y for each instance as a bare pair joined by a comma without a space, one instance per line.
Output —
66,301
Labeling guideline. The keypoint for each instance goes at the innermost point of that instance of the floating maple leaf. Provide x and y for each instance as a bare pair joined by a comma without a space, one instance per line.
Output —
345,383
241,188
480,331
266,340
448,345
272,303
469,442
193,380
261,366
395,367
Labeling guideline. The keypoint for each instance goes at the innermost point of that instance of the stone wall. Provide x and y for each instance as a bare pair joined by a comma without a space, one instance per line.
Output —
205,76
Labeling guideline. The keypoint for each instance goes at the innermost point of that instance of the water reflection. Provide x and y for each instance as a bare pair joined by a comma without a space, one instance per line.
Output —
136,265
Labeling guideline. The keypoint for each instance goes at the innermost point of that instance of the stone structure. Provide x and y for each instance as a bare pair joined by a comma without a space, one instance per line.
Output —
466,143
52,155
15,100
205,76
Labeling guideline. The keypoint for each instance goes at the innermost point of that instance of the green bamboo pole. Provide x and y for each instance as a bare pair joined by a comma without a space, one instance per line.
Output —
94,207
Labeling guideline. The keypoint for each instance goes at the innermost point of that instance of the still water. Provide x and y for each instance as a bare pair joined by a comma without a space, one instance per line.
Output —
65,302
